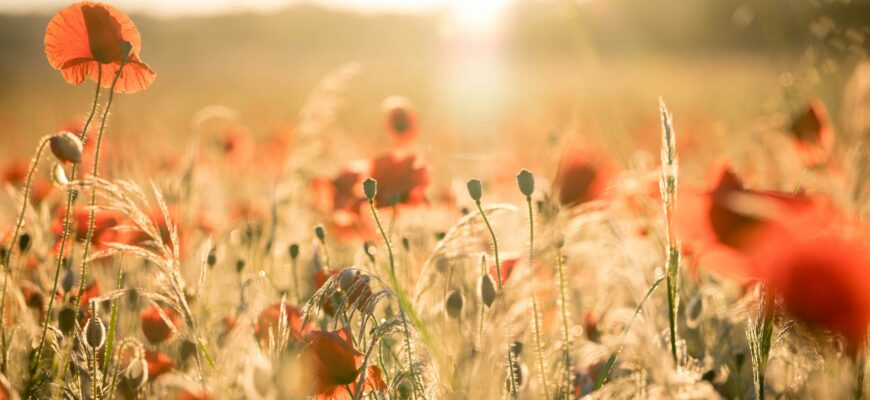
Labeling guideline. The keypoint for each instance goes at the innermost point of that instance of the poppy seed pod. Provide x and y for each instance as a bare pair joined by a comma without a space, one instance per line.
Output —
320,233
66,319
294,251
486,290
453,304
526,182
346,279
370,188
135,375
95,333
475,190
67,147
24,242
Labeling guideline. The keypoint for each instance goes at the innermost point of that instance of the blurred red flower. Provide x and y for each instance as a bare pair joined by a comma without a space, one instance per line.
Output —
724,223
824,282
401,120
158,363
335,365
87,37
153,325
507,266
813,134
104,221
269,319
402,179
583,175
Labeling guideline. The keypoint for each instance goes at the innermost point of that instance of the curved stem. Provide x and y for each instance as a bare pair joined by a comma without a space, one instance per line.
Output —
70,194
94,173
14,242
494,243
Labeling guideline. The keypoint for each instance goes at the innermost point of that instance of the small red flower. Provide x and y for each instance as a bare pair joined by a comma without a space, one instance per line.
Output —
582,176
335,365
823,281
401,120
813,134
158,363
402,179
153,325
87,37
269,321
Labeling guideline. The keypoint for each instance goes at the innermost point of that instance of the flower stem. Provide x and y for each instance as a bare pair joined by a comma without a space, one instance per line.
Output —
14,242
766,315
494,243
94,173
535,313
566,334
400,293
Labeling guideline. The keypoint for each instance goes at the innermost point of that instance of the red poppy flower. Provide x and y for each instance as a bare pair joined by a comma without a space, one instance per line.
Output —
582,176
269,320
91,291
87,37
153,325
158,363
140,238
813,134
14,171
104,221
340,193
402,179
723,224
185,394
824,282
401,120
507,266
335,365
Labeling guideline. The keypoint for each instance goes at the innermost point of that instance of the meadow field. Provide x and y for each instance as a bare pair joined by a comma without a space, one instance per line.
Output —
539,199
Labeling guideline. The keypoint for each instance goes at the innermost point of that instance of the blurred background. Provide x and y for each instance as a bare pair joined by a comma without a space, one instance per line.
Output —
479,72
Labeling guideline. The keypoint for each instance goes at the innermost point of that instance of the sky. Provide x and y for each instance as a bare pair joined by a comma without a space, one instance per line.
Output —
170,8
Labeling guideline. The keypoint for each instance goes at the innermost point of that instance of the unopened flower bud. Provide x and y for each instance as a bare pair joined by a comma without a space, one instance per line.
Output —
486,290
320,233
475,190
294,251
24,242
526,182
95,333
453,304
370,188
66,146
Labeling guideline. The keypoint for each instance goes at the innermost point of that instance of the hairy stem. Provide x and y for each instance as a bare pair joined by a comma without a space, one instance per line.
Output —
494,243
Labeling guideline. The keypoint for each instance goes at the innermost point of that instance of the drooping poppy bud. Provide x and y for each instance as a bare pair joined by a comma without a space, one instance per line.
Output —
94,330
486,290
67,147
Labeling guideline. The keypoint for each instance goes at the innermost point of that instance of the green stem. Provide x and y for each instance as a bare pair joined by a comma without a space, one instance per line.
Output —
566,335
94,173
113,322
399,292
535,313
672,271
494,243
14,242
766,312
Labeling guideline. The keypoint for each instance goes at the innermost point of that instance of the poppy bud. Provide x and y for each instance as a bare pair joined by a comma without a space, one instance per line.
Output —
154,326
526,182
320,233
406,243
475,190
66,319
346,279
453,304
517,348
58,175
187,350
486,290
94,331
66,146
135,375
370,188
24,242
211,259
294,251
